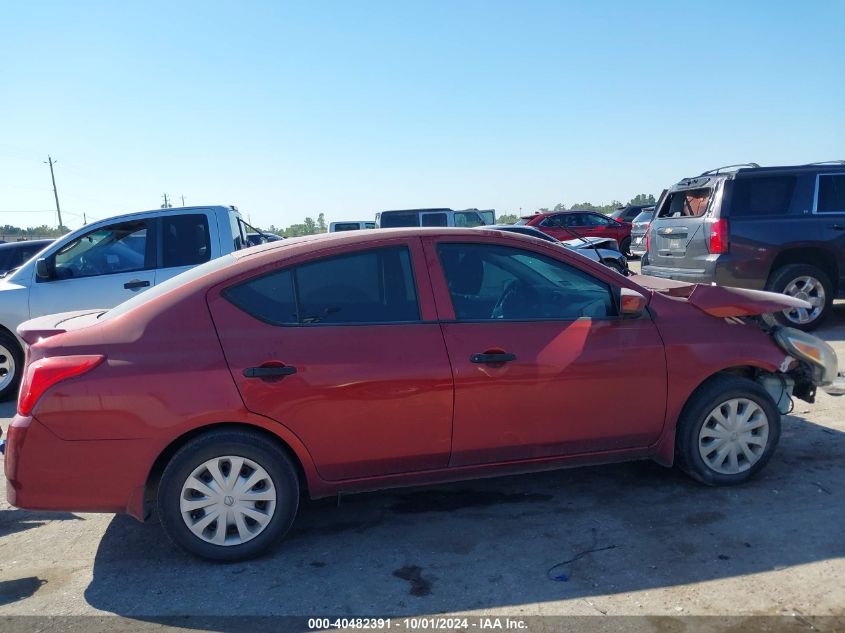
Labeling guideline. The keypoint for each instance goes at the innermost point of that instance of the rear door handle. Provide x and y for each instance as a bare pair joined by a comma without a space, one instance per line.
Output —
269,372
136,283
492,358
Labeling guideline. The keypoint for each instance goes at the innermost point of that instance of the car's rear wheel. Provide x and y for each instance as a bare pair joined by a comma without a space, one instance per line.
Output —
228,495
625,247
11,365
727,432
806,282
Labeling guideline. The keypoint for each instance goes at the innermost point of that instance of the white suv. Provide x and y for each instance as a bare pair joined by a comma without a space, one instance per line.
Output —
105,263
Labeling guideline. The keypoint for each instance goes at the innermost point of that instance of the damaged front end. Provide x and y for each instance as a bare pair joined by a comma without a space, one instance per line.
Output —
810,362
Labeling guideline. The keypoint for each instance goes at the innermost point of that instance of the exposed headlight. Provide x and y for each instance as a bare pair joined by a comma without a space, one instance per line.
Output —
810,349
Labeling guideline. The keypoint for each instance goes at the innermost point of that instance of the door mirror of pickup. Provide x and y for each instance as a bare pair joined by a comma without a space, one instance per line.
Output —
631,303
43,269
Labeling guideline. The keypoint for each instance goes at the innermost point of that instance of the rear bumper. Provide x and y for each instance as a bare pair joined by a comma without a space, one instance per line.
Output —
680,274
44,472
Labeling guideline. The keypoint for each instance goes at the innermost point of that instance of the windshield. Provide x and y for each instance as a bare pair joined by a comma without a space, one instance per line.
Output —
522,221
645,216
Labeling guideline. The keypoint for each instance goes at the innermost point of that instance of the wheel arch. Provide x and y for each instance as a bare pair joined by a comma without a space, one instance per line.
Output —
665,453
150,487
817,256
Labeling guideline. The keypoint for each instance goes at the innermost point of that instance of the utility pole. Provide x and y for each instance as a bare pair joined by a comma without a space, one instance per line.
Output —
166,204
51,162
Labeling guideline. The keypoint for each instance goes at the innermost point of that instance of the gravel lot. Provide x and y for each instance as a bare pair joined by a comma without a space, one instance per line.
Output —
672,547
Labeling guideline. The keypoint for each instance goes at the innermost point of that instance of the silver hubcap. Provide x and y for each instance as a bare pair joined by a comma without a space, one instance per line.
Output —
7,366
228,500
734,436
810,290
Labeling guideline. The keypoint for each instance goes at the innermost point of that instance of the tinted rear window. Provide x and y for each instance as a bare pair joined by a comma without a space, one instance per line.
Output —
374,286
392,220
831,194
762,196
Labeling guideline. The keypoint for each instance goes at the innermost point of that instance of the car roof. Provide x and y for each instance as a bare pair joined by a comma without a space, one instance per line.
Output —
328,240
565,211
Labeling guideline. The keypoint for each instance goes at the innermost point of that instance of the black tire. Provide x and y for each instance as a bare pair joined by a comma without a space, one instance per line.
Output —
781,279
703,401
625,247
234,442
9,345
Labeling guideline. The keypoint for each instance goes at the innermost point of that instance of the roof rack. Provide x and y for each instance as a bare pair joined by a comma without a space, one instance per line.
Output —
713,172
826,162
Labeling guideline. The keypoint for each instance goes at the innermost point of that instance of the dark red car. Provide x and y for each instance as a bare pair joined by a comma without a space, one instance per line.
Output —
564,225
359,361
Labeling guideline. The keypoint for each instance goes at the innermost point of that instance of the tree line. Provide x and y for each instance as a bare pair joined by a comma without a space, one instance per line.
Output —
310,226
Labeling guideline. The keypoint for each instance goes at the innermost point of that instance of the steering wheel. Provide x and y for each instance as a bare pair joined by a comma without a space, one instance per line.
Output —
518,300
86,268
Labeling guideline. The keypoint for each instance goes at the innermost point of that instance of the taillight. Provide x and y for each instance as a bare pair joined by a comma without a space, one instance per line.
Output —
719,236
44,373
648,238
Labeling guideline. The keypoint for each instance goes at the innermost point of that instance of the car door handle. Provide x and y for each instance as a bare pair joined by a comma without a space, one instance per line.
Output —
136,283
838,227
492,358
269,372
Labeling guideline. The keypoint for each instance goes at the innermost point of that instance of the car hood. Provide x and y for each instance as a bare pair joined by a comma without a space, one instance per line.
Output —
583,243
721,301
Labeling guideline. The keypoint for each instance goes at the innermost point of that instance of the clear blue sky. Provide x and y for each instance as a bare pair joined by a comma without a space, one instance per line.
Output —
287,109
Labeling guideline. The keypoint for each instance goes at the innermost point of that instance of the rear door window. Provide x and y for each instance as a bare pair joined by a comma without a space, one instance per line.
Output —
762,196
691,203
373,286
185,240
831,194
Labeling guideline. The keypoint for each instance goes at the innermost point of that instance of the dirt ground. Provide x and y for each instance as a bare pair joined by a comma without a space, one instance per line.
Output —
664,546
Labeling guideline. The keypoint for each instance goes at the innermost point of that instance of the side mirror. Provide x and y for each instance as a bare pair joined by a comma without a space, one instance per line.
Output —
632,303
43,269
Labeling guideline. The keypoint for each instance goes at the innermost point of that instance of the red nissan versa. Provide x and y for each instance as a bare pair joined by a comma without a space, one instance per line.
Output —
371,359
562,225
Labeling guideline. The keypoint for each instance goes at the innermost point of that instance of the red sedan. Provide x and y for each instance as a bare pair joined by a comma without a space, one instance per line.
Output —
565,225
388,358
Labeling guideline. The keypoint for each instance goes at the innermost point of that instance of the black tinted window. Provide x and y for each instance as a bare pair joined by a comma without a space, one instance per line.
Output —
435,219
831,194
366,287
392,220
269,298
374,286
762,196
185,240
499,282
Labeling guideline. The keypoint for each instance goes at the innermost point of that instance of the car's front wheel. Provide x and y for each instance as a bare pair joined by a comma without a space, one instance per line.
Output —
727,431
228,495
625,247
